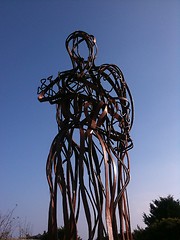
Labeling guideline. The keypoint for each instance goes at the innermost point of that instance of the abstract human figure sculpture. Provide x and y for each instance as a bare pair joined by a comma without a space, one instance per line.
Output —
88,159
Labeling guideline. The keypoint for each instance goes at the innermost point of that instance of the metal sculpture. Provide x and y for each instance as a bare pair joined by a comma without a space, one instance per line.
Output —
88,159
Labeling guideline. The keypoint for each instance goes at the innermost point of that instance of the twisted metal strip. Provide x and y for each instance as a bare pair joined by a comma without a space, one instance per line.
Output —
88,158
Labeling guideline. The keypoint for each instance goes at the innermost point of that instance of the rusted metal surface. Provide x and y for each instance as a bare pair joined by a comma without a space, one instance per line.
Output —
88,159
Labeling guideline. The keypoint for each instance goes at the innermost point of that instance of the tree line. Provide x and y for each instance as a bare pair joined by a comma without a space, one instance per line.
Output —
162,223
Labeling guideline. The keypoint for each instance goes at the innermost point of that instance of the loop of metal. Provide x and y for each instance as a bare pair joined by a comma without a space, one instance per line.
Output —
88,159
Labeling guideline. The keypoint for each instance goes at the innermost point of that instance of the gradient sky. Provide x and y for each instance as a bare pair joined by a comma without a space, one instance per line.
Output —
142,38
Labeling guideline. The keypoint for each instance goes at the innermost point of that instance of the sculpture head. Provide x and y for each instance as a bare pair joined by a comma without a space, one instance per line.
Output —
82,49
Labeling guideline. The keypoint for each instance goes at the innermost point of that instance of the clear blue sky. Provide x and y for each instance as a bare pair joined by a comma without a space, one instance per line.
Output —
142,38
